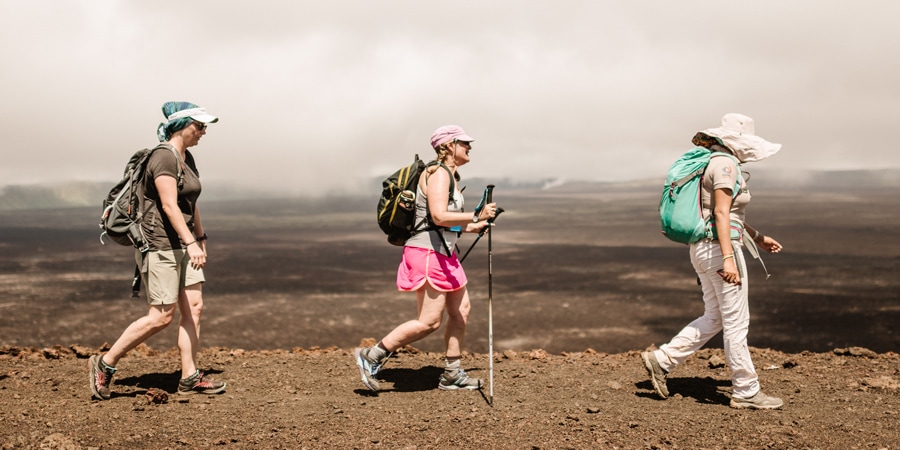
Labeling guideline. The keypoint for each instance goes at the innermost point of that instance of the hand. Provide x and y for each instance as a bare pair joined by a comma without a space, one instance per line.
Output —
488,212
770,245
482,226
729,272
197,254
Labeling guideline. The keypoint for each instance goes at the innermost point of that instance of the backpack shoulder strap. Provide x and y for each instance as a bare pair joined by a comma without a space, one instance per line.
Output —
737,164
452,178
427,219
180,171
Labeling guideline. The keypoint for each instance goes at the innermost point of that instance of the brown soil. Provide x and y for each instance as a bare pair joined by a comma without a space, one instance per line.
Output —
313,399
574,301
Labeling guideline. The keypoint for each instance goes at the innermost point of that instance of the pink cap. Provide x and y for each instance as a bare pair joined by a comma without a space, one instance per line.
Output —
448,133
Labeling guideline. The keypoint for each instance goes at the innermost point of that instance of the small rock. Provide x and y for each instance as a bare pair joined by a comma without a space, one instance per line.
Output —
855,351
882,382
157,396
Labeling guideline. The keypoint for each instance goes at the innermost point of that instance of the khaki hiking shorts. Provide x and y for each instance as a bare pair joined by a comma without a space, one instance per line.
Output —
166,272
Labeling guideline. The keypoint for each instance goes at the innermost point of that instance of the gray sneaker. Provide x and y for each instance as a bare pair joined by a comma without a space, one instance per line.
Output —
199,384
758,401
368,367
459,380
657,374
101,375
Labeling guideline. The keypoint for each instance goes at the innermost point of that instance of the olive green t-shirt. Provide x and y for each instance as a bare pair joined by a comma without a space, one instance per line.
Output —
161,235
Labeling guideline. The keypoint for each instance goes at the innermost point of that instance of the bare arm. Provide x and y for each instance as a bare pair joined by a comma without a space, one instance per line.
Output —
767,243
198,229
437,187
722,213
167,188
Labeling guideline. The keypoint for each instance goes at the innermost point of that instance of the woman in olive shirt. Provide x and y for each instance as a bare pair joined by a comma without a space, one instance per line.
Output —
172,269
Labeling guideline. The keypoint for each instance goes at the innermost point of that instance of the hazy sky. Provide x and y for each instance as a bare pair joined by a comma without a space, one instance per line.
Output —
323,96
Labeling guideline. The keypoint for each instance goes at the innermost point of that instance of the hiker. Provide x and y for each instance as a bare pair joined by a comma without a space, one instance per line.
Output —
430,268
720,266
172,269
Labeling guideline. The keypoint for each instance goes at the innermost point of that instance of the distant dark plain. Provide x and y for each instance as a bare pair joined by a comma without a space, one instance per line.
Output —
572,269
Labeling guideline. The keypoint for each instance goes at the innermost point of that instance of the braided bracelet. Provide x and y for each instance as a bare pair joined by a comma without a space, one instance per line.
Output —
727,256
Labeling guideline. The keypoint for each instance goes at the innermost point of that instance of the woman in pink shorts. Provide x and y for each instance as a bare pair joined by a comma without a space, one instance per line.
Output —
430,268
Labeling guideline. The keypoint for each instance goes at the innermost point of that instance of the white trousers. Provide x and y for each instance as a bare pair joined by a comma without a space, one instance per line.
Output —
726,309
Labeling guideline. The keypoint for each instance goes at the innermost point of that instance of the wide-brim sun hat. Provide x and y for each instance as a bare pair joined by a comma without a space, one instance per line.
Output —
738,133
449,133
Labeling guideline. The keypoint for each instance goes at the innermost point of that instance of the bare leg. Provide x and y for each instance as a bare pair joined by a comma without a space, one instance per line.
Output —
458,308
157,318
431,310
190,304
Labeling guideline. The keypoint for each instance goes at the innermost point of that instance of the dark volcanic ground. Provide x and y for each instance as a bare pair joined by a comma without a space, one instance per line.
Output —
581,282
571,270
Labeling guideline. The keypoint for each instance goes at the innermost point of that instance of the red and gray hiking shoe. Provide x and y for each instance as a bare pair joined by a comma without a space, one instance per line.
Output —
101,375
198,384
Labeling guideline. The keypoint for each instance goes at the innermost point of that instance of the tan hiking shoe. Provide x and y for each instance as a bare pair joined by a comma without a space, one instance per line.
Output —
657,374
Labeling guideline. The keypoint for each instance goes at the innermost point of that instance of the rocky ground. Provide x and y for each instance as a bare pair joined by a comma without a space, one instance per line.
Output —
845,399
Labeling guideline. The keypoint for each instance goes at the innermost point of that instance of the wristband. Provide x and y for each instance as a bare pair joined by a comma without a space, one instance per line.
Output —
205,237
755,234
727,256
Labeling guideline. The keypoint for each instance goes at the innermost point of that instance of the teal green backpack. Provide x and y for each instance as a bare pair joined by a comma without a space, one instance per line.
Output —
679,207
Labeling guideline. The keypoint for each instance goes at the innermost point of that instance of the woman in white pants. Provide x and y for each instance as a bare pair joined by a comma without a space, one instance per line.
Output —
720,265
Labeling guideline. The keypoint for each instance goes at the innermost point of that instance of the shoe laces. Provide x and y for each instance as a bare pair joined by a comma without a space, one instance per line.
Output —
460,378
194,380
375,366
105,374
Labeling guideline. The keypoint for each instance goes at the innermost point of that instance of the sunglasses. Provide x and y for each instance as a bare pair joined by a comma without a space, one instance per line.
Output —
200,126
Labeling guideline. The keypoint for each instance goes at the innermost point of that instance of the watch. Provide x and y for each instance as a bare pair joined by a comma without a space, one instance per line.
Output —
474,218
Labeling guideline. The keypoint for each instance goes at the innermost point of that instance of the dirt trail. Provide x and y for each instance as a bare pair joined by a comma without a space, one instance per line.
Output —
313,399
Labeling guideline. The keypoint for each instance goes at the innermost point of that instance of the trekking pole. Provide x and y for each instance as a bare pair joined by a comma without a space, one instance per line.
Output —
490,193
491,220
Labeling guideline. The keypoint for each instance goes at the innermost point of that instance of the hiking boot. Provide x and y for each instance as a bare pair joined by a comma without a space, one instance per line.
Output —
657,374
452,381
198,384
368,367
101,375
758,401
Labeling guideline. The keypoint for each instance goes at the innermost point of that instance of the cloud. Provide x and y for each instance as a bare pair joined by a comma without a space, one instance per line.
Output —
318,97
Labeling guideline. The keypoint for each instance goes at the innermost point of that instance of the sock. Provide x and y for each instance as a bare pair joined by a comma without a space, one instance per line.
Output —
106,366
378,352
452,366
192,377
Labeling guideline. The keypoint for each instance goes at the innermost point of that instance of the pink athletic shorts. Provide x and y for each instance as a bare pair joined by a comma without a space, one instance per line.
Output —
420,265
